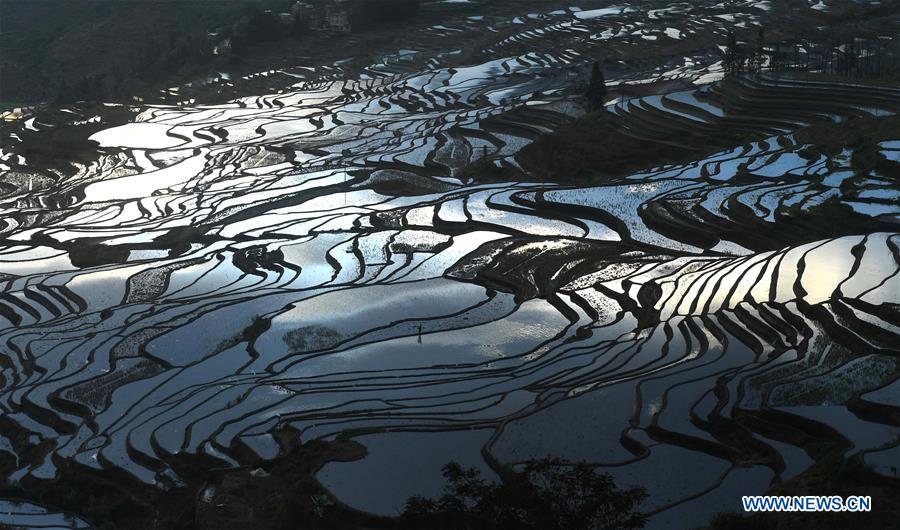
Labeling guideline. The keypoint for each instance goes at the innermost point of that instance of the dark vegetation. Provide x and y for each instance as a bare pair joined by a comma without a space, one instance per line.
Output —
61,51
545,495
851,39
846,54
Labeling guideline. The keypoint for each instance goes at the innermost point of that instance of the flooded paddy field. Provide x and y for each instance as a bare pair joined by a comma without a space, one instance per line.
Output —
195,294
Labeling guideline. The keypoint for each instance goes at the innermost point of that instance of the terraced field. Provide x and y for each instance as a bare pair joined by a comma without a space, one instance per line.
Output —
320,258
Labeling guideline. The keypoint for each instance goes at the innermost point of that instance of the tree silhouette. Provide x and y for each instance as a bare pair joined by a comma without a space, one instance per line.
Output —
545,495
732,55
759,56
596,91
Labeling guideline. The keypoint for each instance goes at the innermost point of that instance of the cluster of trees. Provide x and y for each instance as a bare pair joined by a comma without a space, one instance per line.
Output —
849,56
546,494
745,58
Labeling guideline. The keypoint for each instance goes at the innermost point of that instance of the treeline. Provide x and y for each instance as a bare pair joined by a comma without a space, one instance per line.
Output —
846,55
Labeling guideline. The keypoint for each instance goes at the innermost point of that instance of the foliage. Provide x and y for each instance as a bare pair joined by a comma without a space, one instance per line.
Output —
848,52
596,92
734,56
547,494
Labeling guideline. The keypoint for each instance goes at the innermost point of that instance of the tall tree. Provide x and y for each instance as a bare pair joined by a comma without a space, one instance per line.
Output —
732,60
759,56
596,91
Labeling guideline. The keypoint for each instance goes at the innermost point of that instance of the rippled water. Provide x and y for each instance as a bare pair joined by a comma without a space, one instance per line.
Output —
222,270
